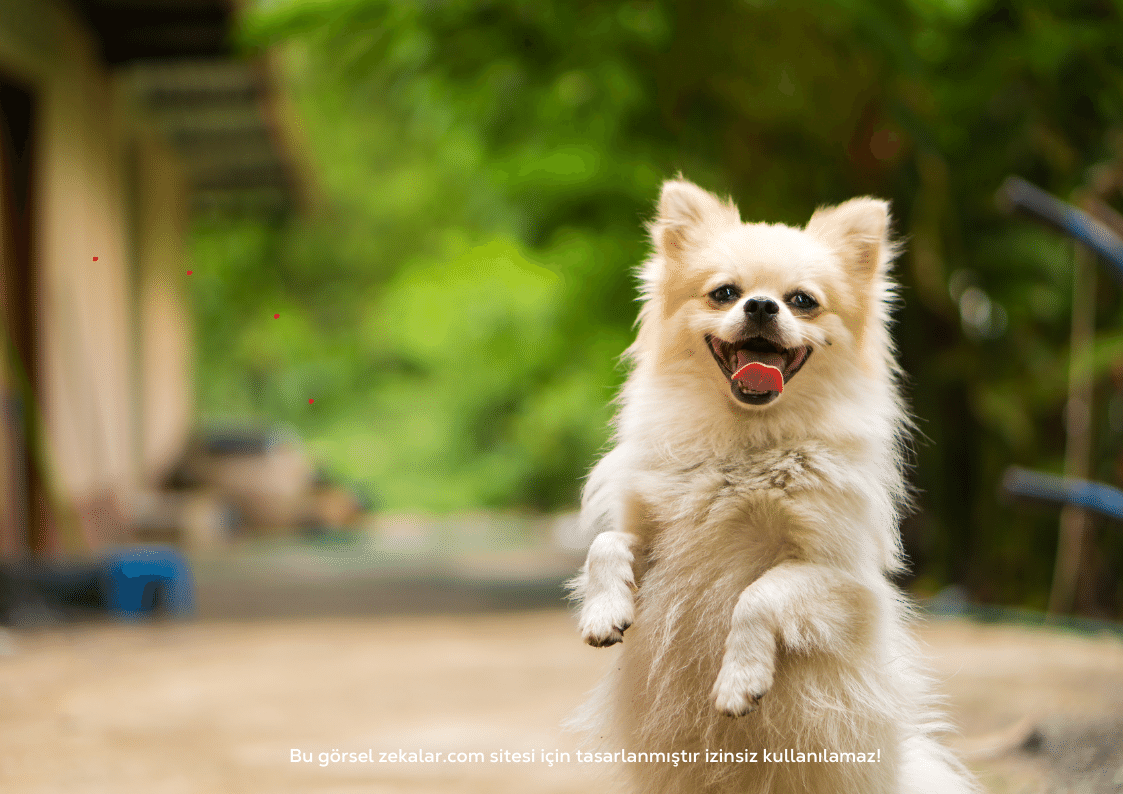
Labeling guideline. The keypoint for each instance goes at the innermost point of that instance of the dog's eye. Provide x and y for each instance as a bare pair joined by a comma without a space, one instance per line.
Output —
802,301
725,294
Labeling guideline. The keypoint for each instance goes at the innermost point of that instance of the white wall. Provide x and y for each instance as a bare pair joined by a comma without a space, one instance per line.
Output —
115,393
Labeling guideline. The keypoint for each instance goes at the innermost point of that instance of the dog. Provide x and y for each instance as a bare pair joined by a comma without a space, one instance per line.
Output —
745,519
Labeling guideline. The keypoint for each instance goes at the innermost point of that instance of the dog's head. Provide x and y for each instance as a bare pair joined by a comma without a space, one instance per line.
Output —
809,304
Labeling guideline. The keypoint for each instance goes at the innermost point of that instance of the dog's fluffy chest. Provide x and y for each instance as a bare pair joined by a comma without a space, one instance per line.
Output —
747,512
708,490
773,472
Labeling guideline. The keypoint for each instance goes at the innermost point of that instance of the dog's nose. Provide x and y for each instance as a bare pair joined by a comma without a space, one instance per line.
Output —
761,309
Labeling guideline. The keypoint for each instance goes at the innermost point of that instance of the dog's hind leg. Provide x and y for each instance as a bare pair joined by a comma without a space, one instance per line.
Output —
929,768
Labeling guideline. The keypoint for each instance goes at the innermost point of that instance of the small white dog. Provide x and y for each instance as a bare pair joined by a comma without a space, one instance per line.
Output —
746,519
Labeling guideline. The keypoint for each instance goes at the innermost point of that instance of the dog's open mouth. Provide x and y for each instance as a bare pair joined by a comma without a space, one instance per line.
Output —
735,357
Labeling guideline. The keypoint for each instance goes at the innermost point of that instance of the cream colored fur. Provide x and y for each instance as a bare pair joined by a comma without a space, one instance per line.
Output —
741,552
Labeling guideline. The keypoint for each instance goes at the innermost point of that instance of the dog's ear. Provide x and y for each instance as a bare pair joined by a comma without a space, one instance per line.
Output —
858,231
688,214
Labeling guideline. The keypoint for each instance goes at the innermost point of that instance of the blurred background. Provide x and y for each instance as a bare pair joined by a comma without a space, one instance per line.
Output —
319,303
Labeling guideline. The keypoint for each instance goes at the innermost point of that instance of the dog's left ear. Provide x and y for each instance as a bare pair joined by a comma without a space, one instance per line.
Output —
858,231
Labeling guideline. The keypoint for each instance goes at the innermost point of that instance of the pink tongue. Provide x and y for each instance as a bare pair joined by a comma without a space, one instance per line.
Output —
760,377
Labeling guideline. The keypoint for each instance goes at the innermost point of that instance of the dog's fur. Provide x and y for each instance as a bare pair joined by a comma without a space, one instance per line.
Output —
747,540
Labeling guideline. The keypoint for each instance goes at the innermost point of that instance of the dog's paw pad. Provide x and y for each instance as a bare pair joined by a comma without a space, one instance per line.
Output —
739,706
602,633
739,689
604,620
611,637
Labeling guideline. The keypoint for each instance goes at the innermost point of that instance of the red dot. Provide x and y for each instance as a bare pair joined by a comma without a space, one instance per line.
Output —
310,401
95,258
189,272
276,316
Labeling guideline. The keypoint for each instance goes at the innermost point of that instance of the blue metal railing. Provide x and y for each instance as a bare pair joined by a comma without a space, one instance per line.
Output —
1022,196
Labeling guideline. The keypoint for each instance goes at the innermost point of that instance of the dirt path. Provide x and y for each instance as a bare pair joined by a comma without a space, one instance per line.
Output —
219,708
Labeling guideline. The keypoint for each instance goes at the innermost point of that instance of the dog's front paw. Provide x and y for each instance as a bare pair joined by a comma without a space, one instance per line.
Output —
604,619
740,686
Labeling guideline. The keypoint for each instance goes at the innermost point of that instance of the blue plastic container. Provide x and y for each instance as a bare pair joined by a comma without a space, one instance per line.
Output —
147,580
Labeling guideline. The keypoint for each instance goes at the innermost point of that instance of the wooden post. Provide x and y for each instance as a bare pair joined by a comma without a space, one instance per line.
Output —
1075,521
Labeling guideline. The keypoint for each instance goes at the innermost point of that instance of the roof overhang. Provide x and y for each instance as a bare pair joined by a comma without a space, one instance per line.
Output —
216,109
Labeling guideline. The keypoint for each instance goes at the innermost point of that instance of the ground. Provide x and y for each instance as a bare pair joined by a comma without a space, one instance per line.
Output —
219,707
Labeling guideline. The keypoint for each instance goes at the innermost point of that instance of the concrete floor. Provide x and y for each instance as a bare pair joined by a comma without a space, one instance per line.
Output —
218,707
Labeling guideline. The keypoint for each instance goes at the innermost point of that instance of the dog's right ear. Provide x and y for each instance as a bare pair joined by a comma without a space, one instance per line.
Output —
688,214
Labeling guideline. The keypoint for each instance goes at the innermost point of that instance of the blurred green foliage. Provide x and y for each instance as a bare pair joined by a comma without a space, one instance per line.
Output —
458,297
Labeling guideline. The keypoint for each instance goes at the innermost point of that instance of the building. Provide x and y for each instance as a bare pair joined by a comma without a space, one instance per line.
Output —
119,118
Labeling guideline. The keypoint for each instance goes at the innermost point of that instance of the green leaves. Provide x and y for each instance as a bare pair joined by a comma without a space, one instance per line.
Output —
486,168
